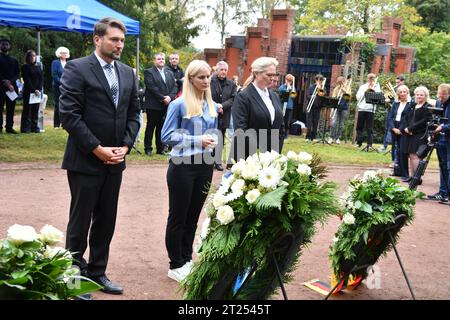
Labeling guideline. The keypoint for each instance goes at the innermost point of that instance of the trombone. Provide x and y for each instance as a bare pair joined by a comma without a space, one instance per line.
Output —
293,93
317,91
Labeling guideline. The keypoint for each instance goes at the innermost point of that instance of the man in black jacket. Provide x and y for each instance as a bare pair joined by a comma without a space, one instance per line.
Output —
223,91
9,73
160,89
178,73
99,109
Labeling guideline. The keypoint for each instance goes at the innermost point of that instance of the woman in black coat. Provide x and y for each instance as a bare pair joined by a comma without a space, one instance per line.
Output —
415,125
395,117
257,113
32,84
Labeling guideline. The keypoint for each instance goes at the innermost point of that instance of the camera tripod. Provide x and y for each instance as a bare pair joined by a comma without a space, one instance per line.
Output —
416,179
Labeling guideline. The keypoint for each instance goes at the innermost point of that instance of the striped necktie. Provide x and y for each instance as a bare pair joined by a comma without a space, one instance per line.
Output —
112,80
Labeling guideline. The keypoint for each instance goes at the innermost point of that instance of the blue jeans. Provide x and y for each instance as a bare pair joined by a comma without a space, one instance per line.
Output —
443,152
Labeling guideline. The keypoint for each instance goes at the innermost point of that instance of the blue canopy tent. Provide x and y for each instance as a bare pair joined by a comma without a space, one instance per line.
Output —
61,15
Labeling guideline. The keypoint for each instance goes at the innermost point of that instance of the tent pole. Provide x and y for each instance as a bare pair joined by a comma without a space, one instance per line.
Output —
137,58
39,42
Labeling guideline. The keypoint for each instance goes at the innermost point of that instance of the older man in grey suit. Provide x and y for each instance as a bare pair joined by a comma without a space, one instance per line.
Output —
99,108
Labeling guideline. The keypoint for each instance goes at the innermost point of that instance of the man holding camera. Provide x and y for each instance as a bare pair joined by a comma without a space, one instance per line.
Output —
443,145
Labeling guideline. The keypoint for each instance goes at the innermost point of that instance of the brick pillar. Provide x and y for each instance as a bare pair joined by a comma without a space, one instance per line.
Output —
281,37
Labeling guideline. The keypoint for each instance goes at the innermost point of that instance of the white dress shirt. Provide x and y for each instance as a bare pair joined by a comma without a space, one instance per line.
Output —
265,96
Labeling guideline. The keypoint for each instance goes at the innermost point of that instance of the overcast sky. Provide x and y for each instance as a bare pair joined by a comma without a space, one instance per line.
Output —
210,37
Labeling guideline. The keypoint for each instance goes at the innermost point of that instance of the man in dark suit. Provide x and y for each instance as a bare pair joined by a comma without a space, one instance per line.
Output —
99,109
178,73
160,89
223,91
257,113
9,73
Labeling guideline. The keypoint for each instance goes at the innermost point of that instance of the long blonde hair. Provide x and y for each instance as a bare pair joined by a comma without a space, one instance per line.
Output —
260,65
194,106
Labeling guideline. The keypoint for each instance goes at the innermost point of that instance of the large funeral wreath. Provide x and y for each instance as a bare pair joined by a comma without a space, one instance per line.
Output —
267,207
373,205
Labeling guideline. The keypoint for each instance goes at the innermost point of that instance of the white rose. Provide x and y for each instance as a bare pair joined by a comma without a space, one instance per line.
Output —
19,234
269,177
238,185
236,169
205,228
50,235
304,157
368,175
252,195
51,252
250,172
304,169
292,156
348,218
225,215
219,200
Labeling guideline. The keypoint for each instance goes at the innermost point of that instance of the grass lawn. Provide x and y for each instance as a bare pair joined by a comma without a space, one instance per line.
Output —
49,147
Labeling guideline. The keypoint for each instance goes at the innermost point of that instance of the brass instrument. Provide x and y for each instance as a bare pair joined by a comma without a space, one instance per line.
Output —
317,91
389,91
343,94
293,93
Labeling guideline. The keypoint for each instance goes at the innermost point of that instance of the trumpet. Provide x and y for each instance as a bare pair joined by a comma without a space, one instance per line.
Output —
317,91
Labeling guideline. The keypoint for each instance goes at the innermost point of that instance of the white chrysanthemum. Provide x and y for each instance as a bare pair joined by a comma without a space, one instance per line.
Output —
219,200
304,169
19,234
50,235
292,156
348,218
269,177
233,195
335,239
238,185
304,157
236,169
225,215
368,175
205,228
50,252
252,195
268,157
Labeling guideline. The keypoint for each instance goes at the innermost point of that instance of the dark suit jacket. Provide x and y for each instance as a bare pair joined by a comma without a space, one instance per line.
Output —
415,120
224,96
156,89
90,117
250,112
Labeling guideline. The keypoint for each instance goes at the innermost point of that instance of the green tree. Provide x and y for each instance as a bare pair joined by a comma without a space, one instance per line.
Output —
435,13
319,15
227,11
432,54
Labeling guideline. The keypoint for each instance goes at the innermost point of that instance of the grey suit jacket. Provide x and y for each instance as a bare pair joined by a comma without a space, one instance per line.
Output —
90,117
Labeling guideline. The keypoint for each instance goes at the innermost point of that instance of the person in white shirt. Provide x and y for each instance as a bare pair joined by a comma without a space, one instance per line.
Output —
366,110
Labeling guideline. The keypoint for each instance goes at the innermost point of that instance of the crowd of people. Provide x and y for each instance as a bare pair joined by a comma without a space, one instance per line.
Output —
190,113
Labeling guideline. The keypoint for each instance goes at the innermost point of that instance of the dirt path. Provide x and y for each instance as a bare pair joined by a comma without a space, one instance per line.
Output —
38,194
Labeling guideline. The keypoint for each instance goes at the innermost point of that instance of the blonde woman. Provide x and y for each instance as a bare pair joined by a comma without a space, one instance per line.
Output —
191,129
395,117
415,125
257,112
62,53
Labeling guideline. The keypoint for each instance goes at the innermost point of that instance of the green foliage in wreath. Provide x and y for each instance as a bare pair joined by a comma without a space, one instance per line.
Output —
266,196
371,203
